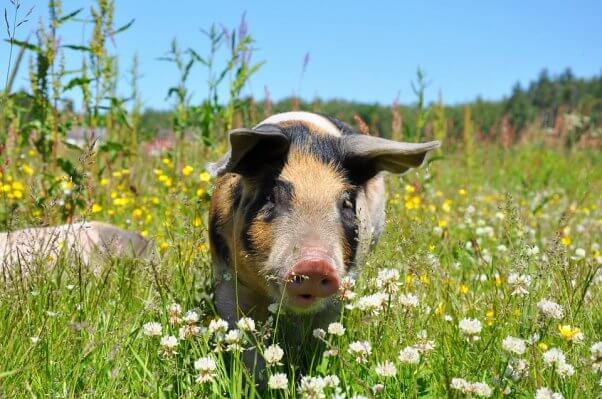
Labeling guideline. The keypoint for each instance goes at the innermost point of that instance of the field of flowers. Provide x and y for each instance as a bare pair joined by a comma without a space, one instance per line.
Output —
486,283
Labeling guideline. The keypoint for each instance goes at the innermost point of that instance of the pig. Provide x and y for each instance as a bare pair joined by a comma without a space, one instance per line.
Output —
91,242
298,202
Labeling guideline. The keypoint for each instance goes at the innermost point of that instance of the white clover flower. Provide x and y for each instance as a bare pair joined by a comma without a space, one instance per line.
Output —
517,369
409,355
312,387
481,389
206,367
514,345
565,370
425,346
319,333
168,343
596,357
372,303
550,309
471,328
409,300
189,330
218,326
520,283
191,317
346,289
546,393
388,280
378,388
532,250
336,329
331,381
554,356
579,253
361,350
273,354
274,308
152,329
459,384
386,369
174,312
278,381
246,324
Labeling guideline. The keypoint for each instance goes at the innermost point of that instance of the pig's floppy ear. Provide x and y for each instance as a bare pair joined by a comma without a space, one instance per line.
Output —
372,155
252,150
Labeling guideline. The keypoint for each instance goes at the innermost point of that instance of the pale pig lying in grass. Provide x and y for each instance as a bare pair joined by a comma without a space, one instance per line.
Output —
90,242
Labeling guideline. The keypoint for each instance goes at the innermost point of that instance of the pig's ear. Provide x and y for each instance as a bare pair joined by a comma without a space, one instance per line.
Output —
369,155
252,151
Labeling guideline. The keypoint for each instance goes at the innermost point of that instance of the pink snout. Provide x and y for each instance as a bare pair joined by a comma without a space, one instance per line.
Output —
310,280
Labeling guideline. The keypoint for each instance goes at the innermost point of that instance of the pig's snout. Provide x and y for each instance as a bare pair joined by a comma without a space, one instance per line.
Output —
311,279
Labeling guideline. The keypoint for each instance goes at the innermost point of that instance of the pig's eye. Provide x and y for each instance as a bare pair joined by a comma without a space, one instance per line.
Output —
347,205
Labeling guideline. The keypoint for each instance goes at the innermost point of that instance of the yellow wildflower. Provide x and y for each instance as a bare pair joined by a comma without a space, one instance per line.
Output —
96,208
28,170
187,170
205,177
568,332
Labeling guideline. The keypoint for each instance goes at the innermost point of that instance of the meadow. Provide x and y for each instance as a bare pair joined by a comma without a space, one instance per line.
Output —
471,257
487,281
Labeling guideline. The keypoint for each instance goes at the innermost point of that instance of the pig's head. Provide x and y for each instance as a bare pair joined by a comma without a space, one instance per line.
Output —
301,219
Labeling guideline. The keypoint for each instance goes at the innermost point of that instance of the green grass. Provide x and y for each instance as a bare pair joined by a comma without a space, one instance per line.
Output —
90,343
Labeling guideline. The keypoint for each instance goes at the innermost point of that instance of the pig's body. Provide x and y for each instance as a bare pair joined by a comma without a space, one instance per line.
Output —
90,242
298,203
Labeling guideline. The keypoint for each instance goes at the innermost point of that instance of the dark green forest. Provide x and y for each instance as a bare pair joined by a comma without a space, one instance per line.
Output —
540,102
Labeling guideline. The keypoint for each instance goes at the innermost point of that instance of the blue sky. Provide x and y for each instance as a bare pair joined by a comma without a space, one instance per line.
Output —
365,51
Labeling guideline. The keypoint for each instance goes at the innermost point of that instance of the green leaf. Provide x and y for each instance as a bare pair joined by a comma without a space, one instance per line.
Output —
79,81
25,45
77,47
69,16
124,27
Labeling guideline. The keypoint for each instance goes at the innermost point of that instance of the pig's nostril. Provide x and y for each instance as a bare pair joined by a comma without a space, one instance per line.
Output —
326,281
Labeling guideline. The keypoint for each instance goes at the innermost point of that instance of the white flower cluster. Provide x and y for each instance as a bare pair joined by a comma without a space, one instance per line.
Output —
514,345
313,387
361,350
471,328
555,357
596,357
547,393
388,280
550,309
206,367
480,389
409,300
372,303
519,283
386,369
273,354
409,355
